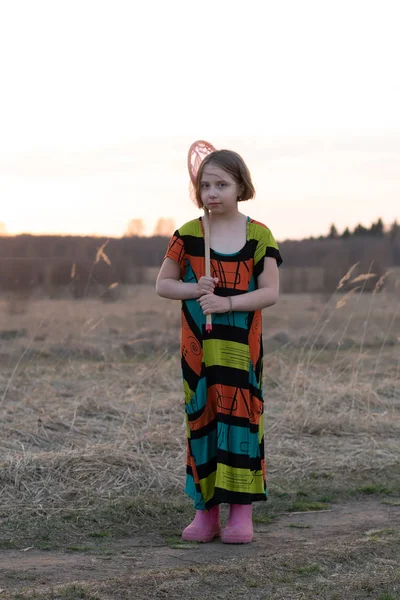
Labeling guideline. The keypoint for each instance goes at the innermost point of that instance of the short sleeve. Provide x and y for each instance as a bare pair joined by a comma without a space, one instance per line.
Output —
266,246
176,251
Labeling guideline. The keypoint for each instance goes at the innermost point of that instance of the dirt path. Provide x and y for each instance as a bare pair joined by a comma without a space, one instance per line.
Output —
344,525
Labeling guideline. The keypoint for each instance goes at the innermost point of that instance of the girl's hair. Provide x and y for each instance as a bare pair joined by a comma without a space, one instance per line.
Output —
233,164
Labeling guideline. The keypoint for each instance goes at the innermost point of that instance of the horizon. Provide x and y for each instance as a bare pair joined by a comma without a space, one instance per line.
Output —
340,233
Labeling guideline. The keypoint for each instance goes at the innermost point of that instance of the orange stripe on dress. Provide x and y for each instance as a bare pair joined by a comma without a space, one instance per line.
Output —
237,402
255,337
191,349
198,266
230,274
228,400
205,418
191,463
235,275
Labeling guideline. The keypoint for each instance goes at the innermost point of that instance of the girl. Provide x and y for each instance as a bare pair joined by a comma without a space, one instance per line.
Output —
222,370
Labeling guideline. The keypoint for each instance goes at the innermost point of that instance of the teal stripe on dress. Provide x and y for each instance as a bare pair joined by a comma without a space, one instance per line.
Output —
196,313
252,376
189,277
204,449
238,440
199,399
252,285
191,491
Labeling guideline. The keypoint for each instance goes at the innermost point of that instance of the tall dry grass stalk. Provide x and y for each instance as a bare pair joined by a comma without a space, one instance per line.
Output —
347,276
308,356
343,301
311,333
381,281
363,277
101,255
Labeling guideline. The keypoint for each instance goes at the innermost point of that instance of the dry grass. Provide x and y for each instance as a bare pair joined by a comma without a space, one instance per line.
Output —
91,394
92,438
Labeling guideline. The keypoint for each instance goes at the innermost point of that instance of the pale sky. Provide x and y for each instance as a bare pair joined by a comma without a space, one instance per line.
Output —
100,102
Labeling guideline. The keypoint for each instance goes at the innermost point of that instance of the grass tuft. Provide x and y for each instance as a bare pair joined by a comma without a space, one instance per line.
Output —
374,488
175,542
79,548
310,569
308,506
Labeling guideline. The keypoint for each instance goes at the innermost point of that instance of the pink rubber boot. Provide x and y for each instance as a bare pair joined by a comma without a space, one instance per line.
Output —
204,527
239,528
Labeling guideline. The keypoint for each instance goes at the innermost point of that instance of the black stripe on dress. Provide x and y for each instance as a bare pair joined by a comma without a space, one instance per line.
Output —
190,376
229,333
194,246
229,419
196,434
218,374
269,251
222,496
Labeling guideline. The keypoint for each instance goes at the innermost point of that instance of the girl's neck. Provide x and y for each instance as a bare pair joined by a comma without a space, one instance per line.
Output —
227,218
228,236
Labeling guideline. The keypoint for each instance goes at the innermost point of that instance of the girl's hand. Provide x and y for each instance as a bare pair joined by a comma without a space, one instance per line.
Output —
211,304
206,285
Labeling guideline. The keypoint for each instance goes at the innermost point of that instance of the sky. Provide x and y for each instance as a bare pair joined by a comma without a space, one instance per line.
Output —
101,100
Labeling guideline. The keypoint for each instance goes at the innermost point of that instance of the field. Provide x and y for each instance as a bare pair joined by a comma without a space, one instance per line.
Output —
92,454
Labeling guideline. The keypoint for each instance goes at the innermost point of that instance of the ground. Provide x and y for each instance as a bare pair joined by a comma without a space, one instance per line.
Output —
92,446
351,550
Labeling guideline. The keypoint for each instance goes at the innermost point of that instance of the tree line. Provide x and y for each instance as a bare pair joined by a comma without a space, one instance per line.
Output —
90,264
377,230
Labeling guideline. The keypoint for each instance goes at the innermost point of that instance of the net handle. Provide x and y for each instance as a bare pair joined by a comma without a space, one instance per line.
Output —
197,152
206,221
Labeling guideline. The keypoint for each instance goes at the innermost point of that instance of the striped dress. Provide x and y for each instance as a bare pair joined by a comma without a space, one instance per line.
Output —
222,372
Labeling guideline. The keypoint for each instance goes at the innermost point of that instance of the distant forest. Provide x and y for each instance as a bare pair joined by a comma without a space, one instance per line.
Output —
377,229
87,264
377,243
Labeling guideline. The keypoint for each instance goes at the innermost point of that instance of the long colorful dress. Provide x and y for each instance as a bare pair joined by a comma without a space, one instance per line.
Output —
222,372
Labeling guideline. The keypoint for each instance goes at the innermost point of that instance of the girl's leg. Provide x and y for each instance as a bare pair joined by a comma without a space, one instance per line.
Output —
205,526
239,528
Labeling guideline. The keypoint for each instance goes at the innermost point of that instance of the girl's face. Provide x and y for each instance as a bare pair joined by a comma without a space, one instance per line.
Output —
219,191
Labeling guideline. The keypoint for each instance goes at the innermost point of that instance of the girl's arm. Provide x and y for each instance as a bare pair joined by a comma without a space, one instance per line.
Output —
170,286
266,294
